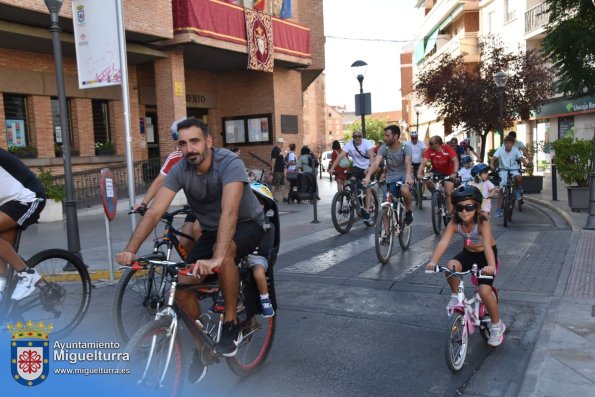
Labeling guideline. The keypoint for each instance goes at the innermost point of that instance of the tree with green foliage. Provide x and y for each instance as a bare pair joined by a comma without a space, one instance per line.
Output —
570,44
374,128
465,94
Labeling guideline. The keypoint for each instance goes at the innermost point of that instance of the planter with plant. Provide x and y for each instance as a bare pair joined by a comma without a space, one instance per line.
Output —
59,151
104,148
54,194
534,183
573,161
24,152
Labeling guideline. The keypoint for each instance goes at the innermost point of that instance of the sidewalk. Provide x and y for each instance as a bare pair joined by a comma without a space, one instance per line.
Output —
563,360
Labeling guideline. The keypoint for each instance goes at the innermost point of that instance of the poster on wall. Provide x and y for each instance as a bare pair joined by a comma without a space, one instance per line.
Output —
15,133
96,42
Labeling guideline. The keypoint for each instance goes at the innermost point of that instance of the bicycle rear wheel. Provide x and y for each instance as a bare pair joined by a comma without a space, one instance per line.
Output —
61,297
456,343
138,296
405,230
373,210
258,333
149,352
436,214
384,236
342,212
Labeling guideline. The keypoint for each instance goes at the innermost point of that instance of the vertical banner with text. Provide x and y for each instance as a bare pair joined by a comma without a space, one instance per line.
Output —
96,42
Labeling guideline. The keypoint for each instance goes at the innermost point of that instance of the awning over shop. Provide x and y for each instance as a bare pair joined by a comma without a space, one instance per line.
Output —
225,21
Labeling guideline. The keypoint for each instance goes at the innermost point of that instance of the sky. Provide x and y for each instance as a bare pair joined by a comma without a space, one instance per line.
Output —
387,26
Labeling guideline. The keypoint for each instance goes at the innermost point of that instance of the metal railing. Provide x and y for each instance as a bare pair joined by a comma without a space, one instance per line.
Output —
536,17
86,183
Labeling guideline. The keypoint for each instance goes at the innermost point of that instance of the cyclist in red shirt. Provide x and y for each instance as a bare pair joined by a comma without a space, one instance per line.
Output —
444,163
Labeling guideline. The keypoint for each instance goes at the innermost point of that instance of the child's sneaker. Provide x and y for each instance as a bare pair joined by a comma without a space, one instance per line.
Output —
267,308
499,212
27,280
497,334
454,299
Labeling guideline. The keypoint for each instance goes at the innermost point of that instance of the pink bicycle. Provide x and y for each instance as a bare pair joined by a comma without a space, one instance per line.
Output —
467,315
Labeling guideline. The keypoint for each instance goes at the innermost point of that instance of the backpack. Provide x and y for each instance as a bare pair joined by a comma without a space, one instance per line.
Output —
312,161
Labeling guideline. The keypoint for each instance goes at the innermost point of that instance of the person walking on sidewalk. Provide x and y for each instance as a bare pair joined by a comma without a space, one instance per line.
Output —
398,167
277,177
361,152
22,199
191,227
230,215
479,247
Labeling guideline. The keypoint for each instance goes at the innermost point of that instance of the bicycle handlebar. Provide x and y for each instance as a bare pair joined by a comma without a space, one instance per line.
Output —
167,216
437,178
478,273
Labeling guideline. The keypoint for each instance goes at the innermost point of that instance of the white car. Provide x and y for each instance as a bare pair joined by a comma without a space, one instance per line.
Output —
326,160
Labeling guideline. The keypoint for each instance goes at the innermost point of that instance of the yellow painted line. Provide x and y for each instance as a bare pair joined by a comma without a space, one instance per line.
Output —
95,275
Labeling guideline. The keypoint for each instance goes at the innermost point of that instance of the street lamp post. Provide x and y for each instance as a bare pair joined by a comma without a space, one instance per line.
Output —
591,218
417,108
72,228
359,68
500,79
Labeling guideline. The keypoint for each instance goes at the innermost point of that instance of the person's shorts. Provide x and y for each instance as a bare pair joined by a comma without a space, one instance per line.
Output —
358,173
468,258
503,174
257,260
392,186
278,179
247,237
24,214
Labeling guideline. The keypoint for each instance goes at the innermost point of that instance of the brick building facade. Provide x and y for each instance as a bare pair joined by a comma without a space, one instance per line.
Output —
174,71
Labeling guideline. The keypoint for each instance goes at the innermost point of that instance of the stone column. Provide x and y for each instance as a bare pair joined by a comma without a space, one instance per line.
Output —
3,143
171,96
41,129
82,126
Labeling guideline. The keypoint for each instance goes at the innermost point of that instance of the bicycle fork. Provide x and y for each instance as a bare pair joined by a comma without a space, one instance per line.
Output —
171,334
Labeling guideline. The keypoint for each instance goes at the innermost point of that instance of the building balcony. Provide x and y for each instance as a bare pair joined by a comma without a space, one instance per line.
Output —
466,43
535,20
221,26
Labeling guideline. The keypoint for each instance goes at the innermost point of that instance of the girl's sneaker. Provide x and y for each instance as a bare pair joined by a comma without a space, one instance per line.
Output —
454,299
497,334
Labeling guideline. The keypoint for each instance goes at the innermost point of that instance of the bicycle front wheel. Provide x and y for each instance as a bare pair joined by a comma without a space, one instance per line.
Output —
420,194
436,212
342,212
138,296
506,207
63,294
383,236
456,343
404,230
153,370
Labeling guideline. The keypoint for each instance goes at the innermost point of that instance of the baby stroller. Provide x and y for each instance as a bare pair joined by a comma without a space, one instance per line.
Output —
292,195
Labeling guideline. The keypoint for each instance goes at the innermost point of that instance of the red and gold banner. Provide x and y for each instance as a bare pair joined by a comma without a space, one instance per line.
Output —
259,34
259,5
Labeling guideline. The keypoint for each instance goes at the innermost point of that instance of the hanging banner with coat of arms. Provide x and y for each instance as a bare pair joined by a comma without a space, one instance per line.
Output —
259,32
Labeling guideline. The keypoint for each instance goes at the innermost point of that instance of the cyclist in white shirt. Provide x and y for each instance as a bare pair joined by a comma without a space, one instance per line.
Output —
508,157
361,151
417,149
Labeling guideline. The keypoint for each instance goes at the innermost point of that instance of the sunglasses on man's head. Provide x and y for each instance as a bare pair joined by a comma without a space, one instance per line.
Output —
466,207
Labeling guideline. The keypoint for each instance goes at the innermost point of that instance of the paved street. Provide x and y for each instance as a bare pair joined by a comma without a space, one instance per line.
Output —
348,326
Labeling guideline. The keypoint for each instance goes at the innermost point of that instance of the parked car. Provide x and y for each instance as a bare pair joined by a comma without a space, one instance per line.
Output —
326,160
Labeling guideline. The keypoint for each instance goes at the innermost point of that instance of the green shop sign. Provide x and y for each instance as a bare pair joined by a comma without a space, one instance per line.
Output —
582,104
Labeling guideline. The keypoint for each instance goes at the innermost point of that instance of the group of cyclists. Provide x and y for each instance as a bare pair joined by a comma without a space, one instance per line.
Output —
229,219
468,194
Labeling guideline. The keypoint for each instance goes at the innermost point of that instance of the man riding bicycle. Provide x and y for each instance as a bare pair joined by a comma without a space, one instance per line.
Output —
215,183
444,163
361,151
22,199
398,167
508,157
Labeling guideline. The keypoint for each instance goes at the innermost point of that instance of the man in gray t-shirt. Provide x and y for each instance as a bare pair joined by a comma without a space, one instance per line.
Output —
216,186
398,166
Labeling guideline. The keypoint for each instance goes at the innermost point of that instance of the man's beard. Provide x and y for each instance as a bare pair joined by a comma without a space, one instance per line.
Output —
195,158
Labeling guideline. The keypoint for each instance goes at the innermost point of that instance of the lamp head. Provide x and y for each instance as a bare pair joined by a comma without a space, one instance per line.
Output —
53,5
359,69
417,107
500,79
